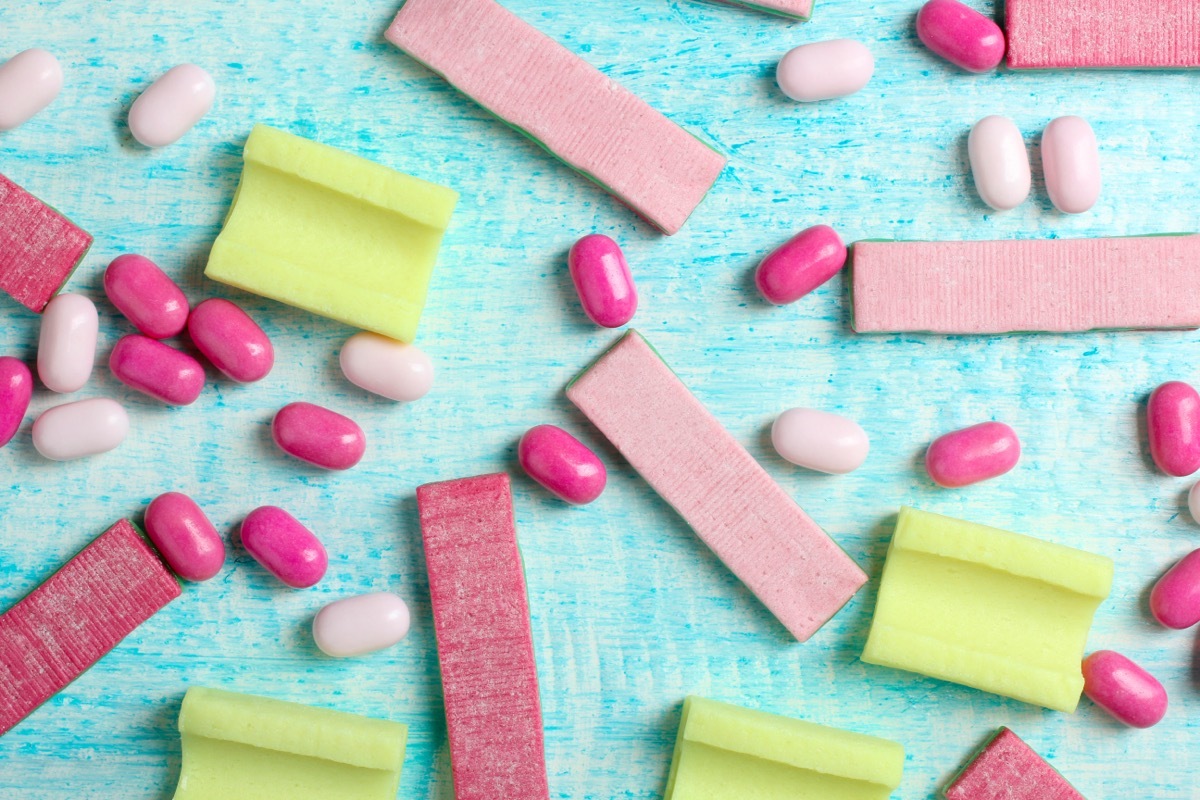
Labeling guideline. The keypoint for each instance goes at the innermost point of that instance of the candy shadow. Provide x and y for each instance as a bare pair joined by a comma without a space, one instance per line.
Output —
1144,599
668,727
1143,436
558,272
163,727
120,120
860,610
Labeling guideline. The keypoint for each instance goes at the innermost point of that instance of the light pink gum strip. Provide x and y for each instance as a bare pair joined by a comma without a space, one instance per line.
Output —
800,9
732,504
1057,285
1044,34
484,641
544,90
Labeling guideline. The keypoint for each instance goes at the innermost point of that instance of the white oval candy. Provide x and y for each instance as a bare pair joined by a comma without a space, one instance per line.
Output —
386,367
1071,163
999,162
820,440
82,428
363,624
171,105
67,342
824,70
29,81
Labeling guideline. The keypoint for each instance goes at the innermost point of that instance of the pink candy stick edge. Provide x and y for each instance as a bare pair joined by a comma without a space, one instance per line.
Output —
1044,34
733,505
1008,769
799,9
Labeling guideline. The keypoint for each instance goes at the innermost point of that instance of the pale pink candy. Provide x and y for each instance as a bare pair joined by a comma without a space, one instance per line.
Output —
146,296
562,464
184,536
16,387
172,105
1071,163
231,340
29,81
820,441
825,70
83,428
355,626
801,264
973,454
1124,689
1194,502
1175,598
603,280
157,370
285,548
389,368
319,436
67,342
1173,422
961,35
999,162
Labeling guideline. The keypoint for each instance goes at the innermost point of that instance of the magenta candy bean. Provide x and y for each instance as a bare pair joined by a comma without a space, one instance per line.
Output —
156,369
1124,689
231,340
972,454
961,35
185,537
319,436
284,547
16,387
603,280
146,296
562,464
800,264
1175,598
1173,419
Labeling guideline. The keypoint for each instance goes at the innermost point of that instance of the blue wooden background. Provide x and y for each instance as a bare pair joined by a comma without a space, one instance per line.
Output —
630,612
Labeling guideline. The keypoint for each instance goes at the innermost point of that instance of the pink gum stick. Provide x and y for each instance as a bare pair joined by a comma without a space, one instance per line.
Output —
799,9
1008,769
39,248
1044,34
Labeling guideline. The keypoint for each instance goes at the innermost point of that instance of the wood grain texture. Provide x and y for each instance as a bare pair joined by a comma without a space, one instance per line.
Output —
630,611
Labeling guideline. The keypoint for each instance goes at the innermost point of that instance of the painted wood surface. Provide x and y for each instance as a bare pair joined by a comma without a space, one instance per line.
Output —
630,612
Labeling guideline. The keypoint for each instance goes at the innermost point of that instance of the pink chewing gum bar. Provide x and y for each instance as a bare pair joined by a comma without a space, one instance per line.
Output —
287,549
146,296
484,642
1173,424
796,9
184,536
961,35
961,458
39,248
1123,689
545,91
1048,34
81,612
157,370
16,388
1057,285
1175,598
732,504
801,264
1008,769
562,464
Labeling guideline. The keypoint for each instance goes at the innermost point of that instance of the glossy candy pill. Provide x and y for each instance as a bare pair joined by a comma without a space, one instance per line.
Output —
1124,689
67,342
157,369
820,441
29,81
386,367
184,536
825,70
1175,598
355,626
973,454
232,341
1071,162
562,464
319,436
999,162
146,296
16,387
1173,422
82,428
961,35
287,549
171,106
801,264
603,280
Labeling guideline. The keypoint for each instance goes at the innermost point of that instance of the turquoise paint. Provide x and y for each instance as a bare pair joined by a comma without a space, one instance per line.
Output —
630,611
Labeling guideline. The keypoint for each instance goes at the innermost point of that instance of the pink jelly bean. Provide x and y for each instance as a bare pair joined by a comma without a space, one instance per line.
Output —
287,549
1173,419
146,296
16,387
231,340
184,536
319,436
961,35
562,464
800,264
1124,689
156,369
603,280
972,454
1175,598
